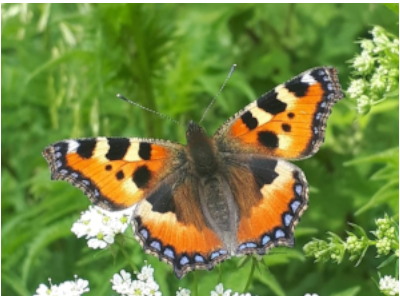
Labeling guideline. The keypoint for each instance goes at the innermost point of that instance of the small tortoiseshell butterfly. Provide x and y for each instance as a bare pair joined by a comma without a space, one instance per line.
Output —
232,194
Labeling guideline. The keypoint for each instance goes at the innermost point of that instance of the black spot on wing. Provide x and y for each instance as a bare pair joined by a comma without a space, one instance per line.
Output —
268,139
145,151
298,88
286,127
141,176
120,175
108,167
162,199
271,104
249,120
86,148
118,148
263,170
290,115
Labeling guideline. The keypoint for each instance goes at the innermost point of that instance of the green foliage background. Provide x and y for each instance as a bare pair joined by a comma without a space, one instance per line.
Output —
63,64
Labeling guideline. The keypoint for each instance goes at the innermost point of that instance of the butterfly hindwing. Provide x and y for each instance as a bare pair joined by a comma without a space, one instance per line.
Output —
289,121
169,224
115,173
271,195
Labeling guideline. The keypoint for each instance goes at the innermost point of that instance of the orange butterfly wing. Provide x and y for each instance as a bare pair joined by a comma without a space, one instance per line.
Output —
287,122
117,173
271,195
177,233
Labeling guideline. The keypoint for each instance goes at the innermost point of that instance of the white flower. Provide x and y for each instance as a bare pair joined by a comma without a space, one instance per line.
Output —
237,294
137,288
395,47
378,82
81,285
367,45
389,285
146,273
100,226
67,288
219,291
357,88
143,286
43,290
313,294
183,292
152,288
363,104
380,38
121,283
364,62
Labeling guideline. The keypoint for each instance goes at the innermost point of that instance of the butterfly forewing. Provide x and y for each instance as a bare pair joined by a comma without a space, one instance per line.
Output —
115,173
287,122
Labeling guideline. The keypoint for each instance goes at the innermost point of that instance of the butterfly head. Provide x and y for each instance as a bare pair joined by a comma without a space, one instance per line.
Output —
201,149
194,131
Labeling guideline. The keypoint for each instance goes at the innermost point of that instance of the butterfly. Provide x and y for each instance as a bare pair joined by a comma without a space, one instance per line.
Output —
229,195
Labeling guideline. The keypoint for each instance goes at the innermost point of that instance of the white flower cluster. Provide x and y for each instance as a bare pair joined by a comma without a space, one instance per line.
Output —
143,286
100,226
378,69
219,291
386,234
389,286
183,292
68,288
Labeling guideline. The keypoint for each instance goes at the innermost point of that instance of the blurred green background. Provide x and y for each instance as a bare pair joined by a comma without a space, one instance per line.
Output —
63,64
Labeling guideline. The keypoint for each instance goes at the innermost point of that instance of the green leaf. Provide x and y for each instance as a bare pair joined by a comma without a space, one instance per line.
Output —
305,231
391,156
393,7
279,256
348,292
270,281
15,283
45,238
392,258
387,192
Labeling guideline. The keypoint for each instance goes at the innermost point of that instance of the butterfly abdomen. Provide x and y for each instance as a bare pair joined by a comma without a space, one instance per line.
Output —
219,208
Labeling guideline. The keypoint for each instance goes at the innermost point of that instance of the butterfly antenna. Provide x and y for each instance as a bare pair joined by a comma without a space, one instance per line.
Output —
220,90
148,109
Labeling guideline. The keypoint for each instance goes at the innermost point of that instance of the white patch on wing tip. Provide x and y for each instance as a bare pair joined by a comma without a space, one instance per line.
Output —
307,78
72,145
